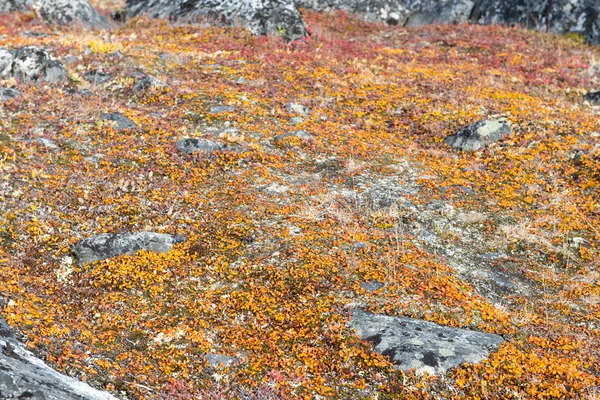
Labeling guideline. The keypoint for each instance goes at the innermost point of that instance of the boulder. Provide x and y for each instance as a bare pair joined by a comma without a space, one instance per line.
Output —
121,121
69,12
279,17
480,134
7,6
426,346
23,376
7,94
557,16
397,12
110,245
31,65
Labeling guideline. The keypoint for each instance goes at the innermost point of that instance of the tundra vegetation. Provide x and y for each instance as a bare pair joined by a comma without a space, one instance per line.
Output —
368,207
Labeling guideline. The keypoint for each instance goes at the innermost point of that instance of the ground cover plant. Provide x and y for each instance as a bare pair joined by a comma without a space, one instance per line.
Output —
282,233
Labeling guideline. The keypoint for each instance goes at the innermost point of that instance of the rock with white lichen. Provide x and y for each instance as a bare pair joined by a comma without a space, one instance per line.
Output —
478,135
110,245
278,17
69,12
424,346
31,64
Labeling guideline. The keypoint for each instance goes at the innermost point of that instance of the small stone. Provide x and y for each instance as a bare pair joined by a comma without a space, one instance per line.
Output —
296,120
48,143
297,109
593,97
7,94
305,136
371,285
97,77
110,245
147,82
71,59
191,145
219,360
122,121
221,109
475,136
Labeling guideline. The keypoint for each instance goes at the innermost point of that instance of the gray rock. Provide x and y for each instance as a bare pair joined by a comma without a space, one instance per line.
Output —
219,360
47,143
305,136
297,108
480,134
31,65
296,120
122,121
110,245
592,97
371,285
8,6
146,83
5,331
69,12
279,17
97,77
71,59
23,376
7,94
397,12
426,346
192,145
221,109
556,16
6,59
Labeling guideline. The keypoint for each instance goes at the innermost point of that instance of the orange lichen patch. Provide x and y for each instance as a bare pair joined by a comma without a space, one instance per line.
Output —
281,235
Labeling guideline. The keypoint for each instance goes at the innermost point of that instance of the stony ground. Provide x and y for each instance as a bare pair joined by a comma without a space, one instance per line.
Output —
284,234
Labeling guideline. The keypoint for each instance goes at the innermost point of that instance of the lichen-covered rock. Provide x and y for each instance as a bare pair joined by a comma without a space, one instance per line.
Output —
475,136
261,17
192,145
426,346
147,82
31,65
121,121
219,360
7,6
557,16
593,97
8,94
397,12
297,108
69,12
221,109
110,245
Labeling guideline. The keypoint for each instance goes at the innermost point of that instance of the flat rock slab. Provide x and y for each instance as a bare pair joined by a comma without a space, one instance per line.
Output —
110,245
23,376
122,121
219,360
475,136
426,346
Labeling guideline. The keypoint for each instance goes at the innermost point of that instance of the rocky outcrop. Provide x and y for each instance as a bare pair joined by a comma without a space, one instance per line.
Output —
279,17
558,16
30,64
69,12
110,245
23,376
428,347
475,136
397,12
7,6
